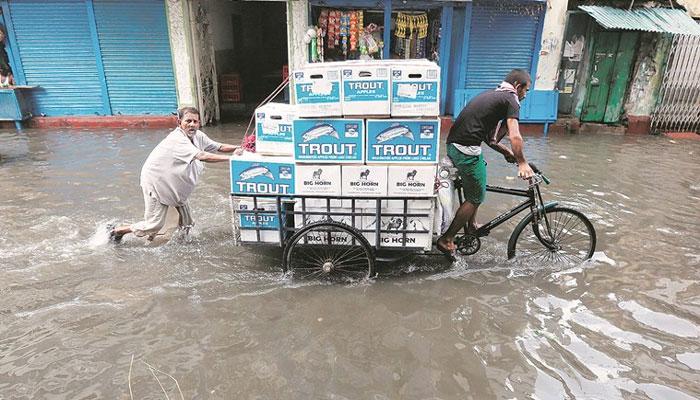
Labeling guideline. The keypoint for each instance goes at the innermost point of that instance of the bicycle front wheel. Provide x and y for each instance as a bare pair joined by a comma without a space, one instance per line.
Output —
561,235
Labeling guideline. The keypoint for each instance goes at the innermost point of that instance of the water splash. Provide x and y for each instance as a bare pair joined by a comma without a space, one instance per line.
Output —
100,236
599,257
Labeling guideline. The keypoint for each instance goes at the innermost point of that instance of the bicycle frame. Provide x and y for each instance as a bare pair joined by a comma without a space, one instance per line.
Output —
530,203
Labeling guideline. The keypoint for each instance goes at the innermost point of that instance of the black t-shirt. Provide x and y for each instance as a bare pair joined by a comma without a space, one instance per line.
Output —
479,118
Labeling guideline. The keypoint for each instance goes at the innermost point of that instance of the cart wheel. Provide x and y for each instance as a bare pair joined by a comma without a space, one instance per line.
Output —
328,250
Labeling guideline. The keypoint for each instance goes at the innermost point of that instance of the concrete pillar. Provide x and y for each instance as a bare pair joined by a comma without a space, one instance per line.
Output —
297,24
181,50
552,41
646,81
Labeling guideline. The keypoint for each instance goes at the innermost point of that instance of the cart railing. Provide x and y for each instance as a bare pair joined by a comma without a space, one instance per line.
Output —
286,209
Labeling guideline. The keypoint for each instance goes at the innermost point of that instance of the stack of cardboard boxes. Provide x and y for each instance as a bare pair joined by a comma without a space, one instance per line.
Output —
361,129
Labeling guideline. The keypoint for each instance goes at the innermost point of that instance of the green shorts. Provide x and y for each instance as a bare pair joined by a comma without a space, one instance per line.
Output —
472,170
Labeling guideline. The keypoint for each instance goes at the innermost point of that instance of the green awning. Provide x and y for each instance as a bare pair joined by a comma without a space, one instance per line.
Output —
662,20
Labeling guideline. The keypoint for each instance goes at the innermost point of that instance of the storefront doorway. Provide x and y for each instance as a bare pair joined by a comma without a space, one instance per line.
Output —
250,47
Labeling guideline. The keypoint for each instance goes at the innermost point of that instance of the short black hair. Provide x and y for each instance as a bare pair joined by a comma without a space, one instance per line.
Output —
518,76
187,110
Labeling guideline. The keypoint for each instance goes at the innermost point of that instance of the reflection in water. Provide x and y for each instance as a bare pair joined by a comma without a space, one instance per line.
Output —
224,321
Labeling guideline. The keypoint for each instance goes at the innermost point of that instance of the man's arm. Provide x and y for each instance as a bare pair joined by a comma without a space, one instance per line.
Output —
211,157
516,144
494,143
228,148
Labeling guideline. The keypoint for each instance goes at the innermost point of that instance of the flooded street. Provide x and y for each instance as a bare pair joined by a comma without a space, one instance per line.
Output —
225,323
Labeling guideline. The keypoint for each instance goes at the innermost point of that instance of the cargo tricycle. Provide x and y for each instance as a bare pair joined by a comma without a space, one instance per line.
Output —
324,241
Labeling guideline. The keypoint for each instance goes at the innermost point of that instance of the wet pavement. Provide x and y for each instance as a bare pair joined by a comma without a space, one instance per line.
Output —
83,319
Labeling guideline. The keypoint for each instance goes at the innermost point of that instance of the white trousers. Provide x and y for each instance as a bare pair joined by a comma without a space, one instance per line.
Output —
155,217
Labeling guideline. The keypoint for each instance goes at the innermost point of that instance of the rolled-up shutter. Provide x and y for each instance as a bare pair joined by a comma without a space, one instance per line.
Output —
502,37
54,44
133,37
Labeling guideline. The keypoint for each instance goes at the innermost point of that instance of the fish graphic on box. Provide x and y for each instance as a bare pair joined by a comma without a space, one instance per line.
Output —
403,141
261,177
329,140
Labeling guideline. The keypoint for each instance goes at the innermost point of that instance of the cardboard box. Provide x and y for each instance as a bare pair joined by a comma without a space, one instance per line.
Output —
364,180
395,222
322,180
317,91
405,141
337,141
273,129
267,221
335,238
415,90
411,180
366,89
255,173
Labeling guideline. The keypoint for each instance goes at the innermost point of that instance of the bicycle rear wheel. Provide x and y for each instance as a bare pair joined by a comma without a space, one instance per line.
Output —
561,235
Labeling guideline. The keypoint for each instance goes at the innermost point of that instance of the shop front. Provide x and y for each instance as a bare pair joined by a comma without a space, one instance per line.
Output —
629,66
476,43
91,57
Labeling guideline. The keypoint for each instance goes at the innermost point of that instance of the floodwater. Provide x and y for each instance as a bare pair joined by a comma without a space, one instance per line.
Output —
84,319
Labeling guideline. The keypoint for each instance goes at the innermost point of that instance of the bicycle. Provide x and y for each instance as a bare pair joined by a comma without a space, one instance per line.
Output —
558,233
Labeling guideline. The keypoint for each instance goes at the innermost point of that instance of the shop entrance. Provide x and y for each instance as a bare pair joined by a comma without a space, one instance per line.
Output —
250,47
348,32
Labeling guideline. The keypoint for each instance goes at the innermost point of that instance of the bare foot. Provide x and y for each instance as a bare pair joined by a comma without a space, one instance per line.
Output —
445,245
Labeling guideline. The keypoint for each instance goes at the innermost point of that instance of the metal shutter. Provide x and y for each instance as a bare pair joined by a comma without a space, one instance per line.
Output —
135,48
502,37
55,47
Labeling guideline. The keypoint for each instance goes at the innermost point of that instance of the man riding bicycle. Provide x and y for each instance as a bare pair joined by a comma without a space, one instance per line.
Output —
486,118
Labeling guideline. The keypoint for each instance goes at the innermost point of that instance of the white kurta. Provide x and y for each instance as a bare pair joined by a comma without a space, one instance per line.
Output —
171,171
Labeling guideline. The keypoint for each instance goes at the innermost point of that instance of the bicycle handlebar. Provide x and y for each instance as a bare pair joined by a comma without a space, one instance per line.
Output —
538,172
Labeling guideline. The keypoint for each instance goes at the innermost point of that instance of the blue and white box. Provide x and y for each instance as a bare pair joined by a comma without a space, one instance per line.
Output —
252,173
415,90
338,141
266,223
317,91
366,89
273,129
410,141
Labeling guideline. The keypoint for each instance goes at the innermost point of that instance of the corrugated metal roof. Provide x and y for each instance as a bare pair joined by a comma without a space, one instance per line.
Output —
660,20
